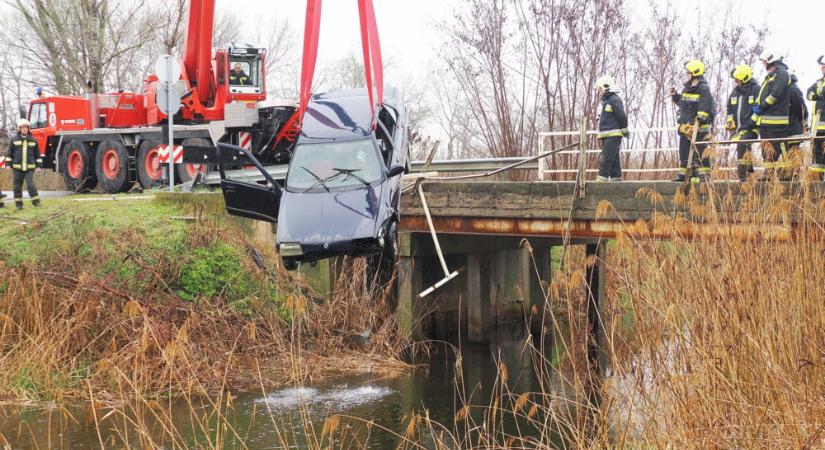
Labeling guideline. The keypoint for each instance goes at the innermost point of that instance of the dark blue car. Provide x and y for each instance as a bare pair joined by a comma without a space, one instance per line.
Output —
343,188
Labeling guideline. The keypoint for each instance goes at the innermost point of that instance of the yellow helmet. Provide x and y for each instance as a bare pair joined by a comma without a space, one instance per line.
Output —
743,73
695,67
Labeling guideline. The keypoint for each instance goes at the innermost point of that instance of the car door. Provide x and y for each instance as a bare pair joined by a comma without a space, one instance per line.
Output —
245,199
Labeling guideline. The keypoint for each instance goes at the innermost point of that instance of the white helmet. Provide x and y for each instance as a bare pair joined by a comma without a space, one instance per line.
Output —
23,123
771,57
605,82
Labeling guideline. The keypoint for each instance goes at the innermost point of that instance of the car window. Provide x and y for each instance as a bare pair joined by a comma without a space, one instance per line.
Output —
388,117
334,165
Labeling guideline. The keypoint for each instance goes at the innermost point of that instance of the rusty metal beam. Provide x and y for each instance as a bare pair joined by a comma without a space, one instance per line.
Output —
595,229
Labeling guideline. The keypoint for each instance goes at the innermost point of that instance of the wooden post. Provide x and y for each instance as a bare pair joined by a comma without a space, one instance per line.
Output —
595,304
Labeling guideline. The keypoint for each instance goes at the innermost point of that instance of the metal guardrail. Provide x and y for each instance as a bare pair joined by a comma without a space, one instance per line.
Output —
544,170
455,165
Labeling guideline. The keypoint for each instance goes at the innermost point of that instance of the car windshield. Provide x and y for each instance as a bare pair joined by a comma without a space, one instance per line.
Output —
334,165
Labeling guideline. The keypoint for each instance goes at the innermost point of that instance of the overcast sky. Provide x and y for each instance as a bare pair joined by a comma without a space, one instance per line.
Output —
409,38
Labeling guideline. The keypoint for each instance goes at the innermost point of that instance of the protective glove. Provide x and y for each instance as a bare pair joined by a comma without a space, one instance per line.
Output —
686,130
757,110
730,124
626,134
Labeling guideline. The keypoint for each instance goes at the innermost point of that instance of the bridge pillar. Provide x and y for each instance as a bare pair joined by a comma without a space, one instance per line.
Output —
478,295
540,268
409,284
596,283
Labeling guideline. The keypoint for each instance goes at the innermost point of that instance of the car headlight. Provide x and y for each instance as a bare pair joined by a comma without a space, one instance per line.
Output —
290,249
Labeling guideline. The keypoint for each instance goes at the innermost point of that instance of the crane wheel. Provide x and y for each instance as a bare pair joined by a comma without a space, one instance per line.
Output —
150,172
186,172
112,167
77,167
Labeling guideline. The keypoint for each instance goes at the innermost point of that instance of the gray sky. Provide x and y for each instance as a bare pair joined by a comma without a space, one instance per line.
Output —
409,39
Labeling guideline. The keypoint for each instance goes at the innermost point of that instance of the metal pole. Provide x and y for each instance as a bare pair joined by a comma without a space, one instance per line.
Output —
171,125
447,275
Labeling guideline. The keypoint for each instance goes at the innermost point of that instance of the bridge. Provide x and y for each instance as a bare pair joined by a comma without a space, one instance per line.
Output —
499,237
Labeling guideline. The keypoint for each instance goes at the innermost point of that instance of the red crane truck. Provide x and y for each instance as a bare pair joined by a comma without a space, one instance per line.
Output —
112,139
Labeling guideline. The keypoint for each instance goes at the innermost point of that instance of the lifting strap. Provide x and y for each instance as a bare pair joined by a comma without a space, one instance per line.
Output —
373,64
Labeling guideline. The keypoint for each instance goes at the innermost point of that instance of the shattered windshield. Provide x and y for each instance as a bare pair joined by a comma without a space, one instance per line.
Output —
334,165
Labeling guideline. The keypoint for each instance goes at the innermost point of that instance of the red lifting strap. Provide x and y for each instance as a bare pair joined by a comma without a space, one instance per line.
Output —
312,32
373,64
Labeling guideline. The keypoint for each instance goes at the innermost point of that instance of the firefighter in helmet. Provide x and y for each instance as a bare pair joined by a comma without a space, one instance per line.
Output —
24,157
738,121
238,77
695,108
816,93
772,111
612,128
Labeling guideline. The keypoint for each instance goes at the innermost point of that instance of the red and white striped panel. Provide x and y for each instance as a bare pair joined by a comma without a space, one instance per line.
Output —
2,162
245,140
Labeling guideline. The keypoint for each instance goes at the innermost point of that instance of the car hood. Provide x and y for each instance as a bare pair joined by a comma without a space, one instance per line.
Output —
329,217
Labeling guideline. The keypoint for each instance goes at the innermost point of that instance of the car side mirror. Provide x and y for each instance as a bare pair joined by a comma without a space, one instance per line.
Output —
395,171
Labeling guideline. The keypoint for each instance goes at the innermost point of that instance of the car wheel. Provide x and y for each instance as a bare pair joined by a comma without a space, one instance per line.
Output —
112,166
290,264
77,167
150,171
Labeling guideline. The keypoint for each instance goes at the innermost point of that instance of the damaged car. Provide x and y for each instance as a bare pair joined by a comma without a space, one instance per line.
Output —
342,191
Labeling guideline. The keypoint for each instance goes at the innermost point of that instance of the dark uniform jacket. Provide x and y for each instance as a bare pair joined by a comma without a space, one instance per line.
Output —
816,93
613,119
694,102
239,79
775,99
23,153
798,109
740,103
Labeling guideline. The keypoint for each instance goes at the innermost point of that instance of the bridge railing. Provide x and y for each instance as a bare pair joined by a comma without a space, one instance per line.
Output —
648,153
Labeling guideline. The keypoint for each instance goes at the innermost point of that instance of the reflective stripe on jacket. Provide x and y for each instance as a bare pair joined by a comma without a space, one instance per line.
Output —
816,93
740,102
695,102
613,119
23,153
775,99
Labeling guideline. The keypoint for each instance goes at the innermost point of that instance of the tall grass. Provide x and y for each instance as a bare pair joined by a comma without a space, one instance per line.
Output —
712,342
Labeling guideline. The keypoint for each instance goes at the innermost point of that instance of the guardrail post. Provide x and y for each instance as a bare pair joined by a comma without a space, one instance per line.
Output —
541,160
581,178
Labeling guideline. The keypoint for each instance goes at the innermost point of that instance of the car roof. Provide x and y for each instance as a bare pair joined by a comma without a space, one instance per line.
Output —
339,115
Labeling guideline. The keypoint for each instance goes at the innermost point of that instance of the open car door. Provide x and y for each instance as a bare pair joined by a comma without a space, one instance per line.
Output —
250,200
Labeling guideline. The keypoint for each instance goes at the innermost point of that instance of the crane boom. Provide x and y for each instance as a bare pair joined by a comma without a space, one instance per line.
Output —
197,49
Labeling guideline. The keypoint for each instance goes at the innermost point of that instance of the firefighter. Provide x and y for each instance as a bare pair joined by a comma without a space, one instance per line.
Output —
24,157
772,111
695,107
798,116
816,93
238,77
738,121
38,91
612,128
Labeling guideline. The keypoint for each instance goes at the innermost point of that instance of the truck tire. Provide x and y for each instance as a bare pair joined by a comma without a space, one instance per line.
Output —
150,172
77,167
187,172
112,167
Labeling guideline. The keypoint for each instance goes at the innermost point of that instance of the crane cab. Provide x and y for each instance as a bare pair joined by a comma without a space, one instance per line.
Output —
241,70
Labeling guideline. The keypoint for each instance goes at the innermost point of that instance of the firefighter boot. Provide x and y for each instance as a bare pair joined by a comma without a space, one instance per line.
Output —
18,204
36,202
